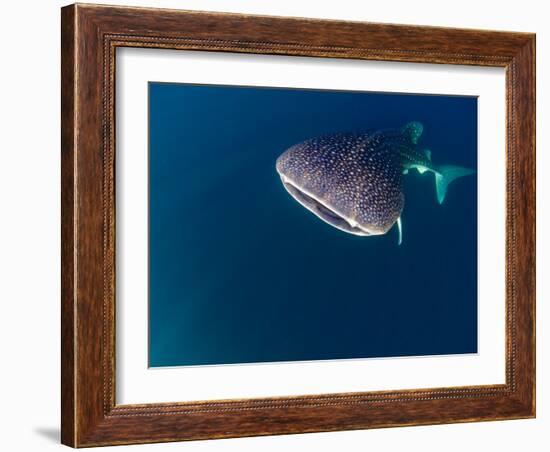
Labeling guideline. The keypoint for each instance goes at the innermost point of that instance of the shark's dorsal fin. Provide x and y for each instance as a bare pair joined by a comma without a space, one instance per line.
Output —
413,130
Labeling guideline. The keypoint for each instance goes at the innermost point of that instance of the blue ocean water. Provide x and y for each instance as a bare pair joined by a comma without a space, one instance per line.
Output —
239,272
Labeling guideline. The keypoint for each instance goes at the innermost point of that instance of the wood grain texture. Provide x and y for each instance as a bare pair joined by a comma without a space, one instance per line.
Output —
67,226
90,36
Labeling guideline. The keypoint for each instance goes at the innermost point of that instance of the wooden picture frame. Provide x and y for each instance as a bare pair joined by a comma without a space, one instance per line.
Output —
90,36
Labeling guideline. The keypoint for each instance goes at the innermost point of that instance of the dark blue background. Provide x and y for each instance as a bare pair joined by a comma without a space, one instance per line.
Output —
240,272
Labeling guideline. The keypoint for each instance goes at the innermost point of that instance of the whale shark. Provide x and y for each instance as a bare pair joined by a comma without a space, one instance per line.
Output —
354,180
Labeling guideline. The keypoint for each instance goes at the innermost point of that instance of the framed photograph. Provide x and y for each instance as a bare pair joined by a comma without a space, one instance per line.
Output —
281,225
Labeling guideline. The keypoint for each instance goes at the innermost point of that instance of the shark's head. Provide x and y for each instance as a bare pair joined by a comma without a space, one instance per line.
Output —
327,212
348,188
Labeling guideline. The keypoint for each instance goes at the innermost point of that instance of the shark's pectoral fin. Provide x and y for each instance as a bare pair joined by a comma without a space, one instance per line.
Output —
444,175
400,231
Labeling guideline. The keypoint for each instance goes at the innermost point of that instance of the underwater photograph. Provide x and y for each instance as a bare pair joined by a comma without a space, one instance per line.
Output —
291,225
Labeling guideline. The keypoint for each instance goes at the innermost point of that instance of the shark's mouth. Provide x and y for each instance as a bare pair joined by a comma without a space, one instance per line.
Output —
323,211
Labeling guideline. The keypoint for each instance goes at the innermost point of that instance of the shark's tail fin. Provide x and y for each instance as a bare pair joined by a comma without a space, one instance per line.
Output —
444,175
